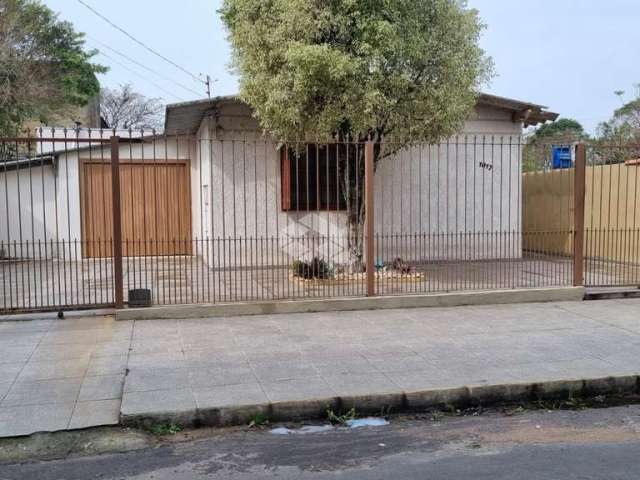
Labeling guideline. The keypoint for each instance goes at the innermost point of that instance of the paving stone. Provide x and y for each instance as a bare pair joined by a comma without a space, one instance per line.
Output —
215,376
310,388
107,365
9,371
44,353
28,419
15,354
158,401
228,395
95,413
50,370
102,387
278,371
352,384
42,392
145,380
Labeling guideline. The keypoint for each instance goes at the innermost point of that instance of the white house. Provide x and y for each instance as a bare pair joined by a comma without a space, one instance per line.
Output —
213,181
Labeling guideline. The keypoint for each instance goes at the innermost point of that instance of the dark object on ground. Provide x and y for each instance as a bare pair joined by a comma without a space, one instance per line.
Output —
317,268
140,297
60,314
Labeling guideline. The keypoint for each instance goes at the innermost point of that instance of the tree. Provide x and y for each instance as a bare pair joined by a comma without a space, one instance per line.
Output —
410,69
536,153
124,108
564,129
44,68
622,129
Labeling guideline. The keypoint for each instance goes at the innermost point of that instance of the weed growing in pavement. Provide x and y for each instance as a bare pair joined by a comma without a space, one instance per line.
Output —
167,428
341,418
258,420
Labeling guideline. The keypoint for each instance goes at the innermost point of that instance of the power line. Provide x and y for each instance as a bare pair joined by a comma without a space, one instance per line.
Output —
93,39
195,77
141,76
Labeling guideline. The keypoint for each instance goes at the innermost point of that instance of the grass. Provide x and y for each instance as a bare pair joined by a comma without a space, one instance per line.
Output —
341,418
168,428
258,420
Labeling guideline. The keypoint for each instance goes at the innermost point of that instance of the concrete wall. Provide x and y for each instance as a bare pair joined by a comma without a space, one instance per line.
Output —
462,196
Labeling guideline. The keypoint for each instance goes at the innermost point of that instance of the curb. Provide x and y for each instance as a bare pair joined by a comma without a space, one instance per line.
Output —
460,397
485,297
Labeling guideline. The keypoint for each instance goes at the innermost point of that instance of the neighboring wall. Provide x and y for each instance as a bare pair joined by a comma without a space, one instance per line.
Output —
462,196
612,216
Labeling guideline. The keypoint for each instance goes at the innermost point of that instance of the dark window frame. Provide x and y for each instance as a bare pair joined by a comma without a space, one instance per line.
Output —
310,179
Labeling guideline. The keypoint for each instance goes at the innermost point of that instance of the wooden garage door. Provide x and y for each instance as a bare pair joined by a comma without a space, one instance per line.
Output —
155,203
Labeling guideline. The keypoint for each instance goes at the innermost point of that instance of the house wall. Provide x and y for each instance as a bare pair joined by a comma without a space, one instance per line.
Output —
441,194
27,215
48,208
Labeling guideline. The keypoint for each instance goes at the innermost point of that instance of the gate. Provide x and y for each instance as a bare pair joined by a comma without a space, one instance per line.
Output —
58,245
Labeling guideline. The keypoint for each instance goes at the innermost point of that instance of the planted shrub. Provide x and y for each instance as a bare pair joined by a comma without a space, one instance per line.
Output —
316,268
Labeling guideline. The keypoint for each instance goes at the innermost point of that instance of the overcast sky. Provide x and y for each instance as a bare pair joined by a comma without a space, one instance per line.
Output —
570,55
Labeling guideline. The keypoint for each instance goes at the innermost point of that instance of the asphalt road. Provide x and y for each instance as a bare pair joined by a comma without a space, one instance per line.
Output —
586,444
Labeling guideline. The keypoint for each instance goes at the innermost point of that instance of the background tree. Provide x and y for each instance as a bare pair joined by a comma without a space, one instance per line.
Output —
536,154
124,108
622,129
44,68
354,68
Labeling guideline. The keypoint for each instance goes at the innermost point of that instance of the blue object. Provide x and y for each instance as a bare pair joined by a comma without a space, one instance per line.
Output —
561,157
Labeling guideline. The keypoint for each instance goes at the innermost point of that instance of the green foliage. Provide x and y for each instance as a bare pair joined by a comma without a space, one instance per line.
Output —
341,418
410,68
566,129
44,67
622,129
316,268
258,420
168,428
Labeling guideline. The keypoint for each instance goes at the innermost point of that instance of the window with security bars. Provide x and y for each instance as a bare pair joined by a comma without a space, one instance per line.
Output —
313,177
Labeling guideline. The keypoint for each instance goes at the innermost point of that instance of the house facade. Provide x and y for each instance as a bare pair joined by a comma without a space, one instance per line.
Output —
215,186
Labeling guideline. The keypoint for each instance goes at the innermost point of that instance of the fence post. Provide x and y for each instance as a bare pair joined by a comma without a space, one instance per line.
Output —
368,229
578,214
117,221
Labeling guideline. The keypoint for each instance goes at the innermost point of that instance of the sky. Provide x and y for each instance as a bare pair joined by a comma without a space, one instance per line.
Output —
570,55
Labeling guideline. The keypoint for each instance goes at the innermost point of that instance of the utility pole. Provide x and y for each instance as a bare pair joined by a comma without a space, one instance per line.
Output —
208,83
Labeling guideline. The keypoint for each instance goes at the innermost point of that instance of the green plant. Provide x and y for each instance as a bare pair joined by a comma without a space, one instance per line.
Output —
316,268
167,428
341,418
258,420
407,69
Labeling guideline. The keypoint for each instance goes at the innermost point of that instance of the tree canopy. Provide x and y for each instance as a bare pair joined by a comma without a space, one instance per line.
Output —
44,67
624,126
567,128
411,68
125,108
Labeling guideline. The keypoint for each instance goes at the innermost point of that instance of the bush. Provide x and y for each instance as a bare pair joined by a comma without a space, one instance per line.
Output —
316,268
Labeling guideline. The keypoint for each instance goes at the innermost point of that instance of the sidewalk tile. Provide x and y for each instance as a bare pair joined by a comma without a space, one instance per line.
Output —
28,419
278,371
146,380
43,392
9,371
158,401
103,387
361,384
108,365
95,413
298,389
51,370
229,395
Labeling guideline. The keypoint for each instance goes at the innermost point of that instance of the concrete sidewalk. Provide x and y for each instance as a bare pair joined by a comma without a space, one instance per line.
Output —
68,374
